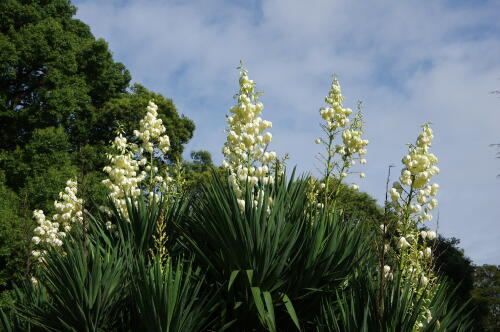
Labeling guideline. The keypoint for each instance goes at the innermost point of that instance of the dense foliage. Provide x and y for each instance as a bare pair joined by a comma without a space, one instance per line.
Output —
62,97
140,240
486,295
247,248
224,269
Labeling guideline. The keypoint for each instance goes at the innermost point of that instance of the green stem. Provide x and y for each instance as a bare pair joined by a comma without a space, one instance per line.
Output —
151,173
328,167
406,221
337,190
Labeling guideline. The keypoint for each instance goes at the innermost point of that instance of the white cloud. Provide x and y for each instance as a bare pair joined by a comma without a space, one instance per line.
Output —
410,62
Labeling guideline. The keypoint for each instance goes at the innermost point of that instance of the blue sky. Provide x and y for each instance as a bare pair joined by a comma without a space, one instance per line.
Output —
410,62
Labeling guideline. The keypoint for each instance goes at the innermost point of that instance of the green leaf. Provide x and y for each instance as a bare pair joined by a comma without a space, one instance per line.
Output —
258,301
249,275
233,276
291,311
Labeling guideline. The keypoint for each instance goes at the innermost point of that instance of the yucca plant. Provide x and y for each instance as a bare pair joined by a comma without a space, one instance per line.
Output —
273,266
25,295
85,289
359,307
252,270
138,228
172,297
93,282
241,251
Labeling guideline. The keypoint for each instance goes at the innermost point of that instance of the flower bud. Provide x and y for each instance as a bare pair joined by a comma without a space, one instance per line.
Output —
403,243
241,204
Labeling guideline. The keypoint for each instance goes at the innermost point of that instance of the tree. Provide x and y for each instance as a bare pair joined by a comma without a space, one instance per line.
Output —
451,262
359,205
42,167
11,234
486,293
53,72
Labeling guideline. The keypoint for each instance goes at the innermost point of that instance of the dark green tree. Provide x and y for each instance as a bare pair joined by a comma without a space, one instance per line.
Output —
37,174
53,72
202,160
486,294
11,234
451,261
359,205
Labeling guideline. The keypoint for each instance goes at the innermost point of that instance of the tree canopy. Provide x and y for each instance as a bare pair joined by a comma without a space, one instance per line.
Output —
486,293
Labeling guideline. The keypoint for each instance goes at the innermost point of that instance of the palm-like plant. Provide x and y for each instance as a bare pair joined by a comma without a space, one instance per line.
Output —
25,295
109,280
81,290
359,307
258,269
138,229
172,297
275,266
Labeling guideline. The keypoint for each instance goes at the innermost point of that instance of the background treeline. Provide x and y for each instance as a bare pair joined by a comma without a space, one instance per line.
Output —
62,99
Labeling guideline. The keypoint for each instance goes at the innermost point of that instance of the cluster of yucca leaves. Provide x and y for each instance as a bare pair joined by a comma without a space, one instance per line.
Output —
225,270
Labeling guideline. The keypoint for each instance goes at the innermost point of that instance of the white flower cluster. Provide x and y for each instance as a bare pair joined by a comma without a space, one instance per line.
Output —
70,209
67,212
420,166
245,151
335,115
413,198
124,175
130,167
353,144
151,130
341,157
46,232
